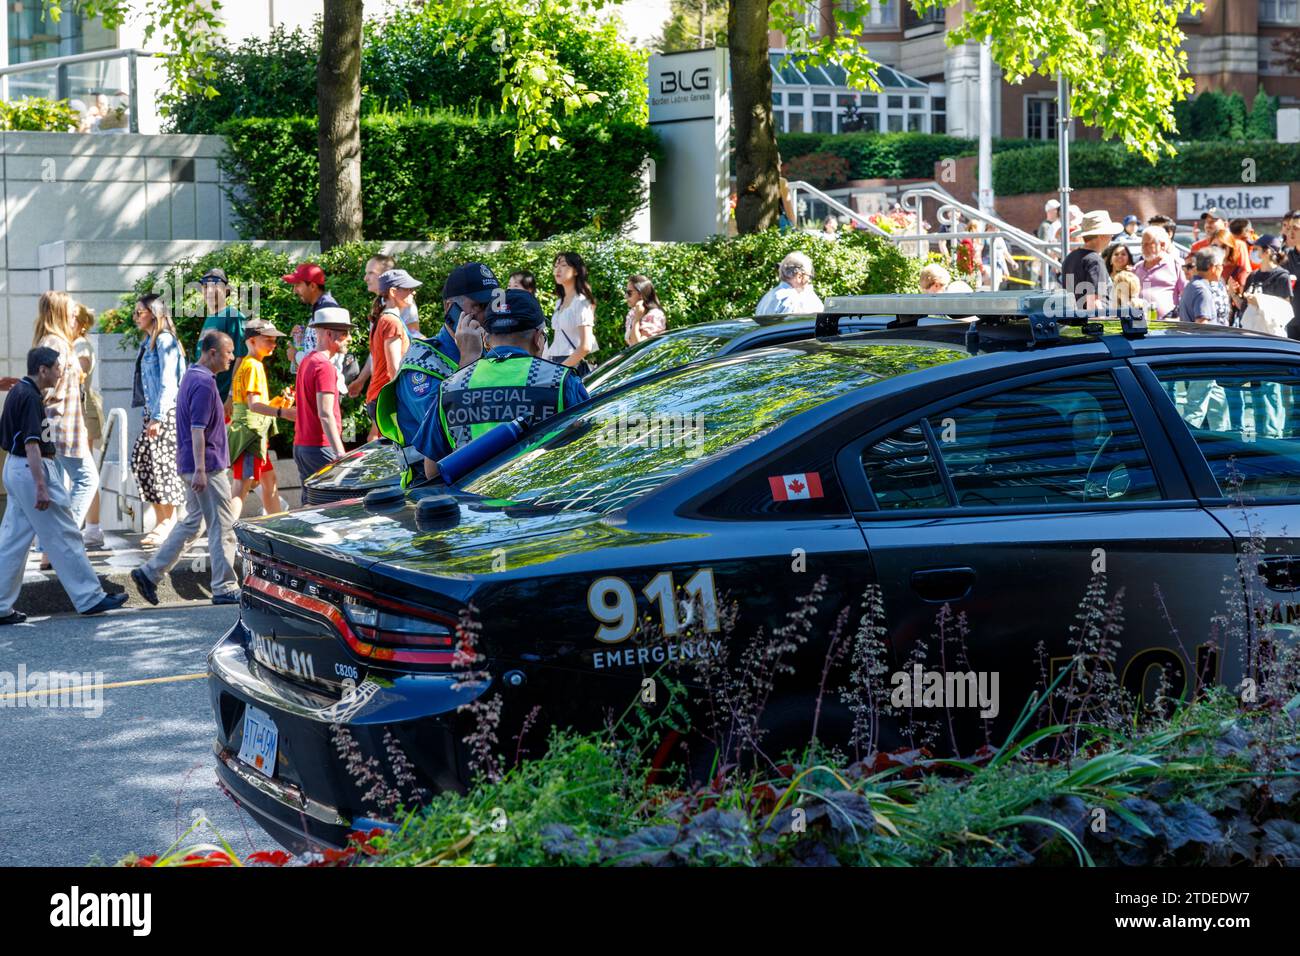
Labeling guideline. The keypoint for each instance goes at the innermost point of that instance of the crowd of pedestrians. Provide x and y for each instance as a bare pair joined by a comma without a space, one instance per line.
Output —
207,425
1228,270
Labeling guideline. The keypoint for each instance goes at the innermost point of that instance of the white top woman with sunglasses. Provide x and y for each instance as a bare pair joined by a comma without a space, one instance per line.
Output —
573,326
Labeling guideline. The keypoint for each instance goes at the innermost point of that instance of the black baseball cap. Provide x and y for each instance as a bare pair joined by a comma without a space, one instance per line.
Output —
472,279
516,311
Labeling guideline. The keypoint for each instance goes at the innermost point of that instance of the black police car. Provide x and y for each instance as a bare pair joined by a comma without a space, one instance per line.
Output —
379,463
989,471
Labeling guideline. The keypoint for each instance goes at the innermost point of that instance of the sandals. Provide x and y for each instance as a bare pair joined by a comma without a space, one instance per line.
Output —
158,535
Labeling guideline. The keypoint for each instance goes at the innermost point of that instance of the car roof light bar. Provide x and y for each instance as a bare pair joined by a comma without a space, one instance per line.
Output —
1045,311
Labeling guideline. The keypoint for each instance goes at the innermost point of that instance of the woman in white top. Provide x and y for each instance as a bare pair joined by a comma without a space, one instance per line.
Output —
573,326
645,316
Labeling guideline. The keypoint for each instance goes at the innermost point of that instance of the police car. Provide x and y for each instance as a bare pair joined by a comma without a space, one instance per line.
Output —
988,472
379,463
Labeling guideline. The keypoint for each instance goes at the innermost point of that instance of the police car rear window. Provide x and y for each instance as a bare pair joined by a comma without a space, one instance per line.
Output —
615,449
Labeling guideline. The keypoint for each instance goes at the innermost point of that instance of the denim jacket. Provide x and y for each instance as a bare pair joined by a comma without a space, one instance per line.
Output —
160,374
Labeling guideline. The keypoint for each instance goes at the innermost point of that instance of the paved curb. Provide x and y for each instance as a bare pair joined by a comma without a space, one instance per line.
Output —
188,581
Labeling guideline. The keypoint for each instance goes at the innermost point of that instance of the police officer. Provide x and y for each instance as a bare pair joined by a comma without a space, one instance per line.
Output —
403,403
38,501
511,380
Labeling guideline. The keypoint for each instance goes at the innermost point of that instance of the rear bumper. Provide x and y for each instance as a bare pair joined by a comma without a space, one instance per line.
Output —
312,797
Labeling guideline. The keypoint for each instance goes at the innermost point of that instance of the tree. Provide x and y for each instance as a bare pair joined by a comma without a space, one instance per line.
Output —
1262,123
526,35
338,129
758,165
1123,61
1289,46
694,25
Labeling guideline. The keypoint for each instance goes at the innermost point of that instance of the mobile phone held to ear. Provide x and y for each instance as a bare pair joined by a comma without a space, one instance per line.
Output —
453,314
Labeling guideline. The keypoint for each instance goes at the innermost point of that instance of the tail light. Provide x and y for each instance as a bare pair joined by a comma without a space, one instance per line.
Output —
374,627
394,628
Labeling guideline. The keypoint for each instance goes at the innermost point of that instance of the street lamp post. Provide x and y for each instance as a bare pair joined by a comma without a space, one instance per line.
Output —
1063,152
986,153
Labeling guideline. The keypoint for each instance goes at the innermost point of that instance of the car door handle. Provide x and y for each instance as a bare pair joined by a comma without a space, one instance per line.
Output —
1281,573
940,585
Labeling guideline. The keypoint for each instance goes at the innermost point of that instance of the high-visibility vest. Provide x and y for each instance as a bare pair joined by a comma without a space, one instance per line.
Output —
423,368
498,389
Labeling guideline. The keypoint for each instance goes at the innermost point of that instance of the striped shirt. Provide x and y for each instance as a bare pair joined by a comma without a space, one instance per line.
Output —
63,408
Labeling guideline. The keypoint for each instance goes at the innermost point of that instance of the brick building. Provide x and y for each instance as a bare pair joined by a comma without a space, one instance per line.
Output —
931,87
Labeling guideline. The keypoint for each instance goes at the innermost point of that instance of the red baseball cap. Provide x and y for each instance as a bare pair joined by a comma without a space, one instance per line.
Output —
307,272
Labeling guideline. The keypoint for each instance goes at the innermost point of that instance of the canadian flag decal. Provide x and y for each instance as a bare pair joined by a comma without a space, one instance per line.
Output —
796,487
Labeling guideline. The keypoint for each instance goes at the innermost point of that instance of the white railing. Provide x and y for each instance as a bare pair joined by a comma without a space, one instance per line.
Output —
950,211
117,482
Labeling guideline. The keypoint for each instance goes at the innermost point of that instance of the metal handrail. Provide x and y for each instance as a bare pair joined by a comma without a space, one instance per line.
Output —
53,62
60,66
799,186
951,209
115,431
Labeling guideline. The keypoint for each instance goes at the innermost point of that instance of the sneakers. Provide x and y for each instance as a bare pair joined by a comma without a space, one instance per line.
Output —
13,617
93,538
148,590
229,597
109,602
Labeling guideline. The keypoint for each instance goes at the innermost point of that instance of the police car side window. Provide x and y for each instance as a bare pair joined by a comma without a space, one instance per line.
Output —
1063,442
1244,420
902,472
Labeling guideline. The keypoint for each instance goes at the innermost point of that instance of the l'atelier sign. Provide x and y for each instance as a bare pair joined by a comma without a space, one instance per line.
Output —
1259,202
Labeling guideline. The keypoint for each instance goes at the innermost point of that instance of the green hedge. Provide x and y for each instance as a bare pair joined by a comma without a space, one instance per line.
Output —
888,155
1100,165
439,177
412,55
697,282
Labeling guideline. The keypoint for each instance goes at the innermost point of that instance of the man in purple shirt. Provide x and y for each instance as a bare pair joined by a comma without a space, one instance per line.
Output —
203,460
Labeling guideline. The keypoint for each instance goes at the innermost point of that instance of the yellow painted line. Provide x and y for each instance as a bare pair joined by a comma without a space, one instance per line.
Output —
97,687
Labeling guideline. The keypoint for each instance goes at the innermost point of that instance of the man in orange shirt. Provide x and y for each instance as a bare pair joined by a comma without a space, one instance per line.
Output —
1211,222
389,339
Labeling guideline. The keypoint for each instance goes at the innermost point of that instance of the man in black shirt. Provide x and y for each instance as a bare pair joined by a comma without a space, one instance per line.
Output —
1291,265
1084,273
38,503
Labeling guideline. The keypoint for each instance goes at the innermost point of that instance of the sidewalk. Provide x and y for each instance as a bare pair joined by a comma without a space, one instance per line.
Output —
187,582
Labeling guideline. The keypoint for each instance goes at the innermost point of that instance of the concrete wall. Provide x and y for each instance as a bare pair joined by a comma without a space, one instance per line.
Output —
61,187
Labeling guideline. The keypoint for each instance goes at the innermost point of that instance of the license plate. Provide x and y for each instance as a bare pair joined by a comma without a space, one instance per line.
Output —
261,741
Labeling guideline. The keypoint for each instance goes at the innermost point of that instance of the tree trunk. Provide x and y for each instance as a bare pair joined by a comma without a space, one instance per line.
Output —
758,168
338,137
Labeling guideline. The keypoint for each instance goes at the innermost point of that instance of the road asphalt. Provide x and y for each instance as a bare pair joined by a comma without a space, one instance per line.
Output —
79,788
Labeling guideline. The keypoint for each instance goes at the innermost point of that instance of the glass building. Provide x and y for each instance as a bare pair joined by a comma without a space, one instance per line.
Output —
817,99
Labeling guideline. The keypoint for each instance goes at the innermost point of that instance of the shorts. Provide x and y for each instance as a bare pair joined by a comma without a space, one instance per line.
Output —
248,465
311,459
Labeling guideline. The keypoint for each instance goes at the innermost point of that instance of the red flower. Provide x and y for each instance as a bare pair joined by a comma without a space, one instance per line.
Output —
273,857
